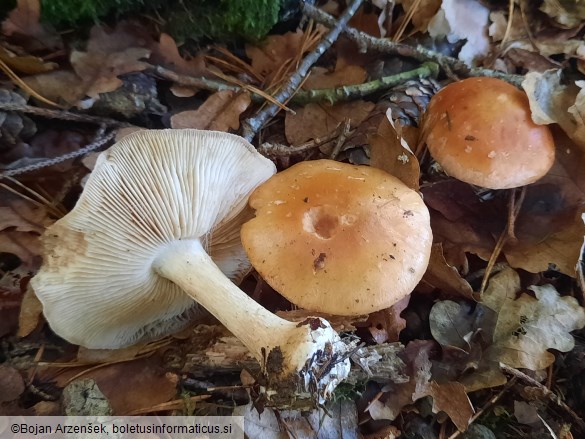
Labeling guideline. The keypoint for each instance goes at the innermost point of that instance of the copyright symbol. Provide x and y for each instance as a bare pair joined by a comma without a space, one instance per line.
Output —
15,428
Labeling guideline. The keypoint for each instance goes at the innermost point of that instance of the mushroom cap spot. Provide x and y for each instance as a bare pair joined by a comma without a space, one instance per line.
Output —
348,240
97,284
481,132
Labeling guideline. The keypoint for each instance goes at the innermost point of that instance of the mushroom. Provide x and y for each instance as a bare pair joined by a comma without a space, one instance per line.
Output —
338,238
480,131
157,226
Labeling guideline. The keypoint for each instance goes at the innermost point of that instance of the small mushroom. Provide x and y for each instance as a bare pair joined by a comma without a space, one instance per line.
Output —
157,226
338,238
480,131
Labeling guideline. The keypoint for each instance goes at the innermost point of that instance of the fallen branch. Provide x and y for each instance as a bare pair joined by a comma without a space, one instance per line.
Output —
418,52
348,92
213,351
546,392
196,81
276,150
252,125
62,115
101,139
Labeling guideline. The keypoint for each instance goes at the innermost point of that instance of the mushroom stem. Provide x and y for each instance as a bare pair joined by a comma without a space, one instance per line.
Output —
310,351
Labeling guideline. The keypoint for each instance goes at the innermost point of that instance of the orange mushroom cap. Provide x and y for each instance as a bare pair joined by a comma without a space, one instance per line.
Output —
337,238
481,132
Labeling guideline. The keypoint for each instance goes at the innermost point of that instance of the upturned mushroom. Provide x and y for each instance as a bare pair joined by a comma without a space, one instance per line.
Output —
480,131
338,238
157,226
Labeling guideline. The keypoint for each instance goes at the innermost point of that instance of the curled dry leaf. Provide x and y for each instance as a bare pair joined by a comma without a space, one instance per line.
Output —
390,152
313,120
553,102
445,277
566,13
386,325
220,112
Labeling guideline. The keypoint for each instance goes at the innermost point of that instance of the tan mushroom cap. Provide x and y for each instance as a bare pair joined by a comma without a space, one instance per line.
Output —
481,132
337,238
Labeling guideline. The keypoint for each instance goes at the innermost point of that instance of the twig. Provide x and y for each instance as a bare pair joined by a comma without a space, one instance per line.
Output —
329,95
100,141
252,125
546,392
417,52
514,211
345,129
62,115
275,150
487,406
348,92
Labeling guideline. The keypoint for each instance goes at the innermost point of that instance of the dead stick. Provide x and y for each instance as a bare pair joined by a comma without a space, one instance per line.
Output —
418,52
100,141
62,115
252,125
550,395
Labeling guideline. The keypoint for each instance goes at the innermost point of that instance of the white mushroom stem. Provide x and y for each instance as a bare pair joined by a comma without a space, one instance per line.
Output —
187,264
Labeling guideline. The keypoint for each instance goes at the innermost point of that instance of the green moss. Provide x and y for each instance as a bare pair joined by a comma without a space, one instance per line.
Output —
71,12
186,19
223,19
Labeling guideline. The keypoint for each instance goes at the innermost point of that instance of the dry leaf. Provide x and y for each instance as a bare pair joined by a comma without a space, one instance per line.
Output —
27,64
528,327
11,384
166,53
445,277
21,224
24,20
424,12
314,120
567,13
519,334
128,386
321,78
559,249
100,70
386,325
264,425
62,86
274,52
220,112
390,152
449,397
553,102
31,313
